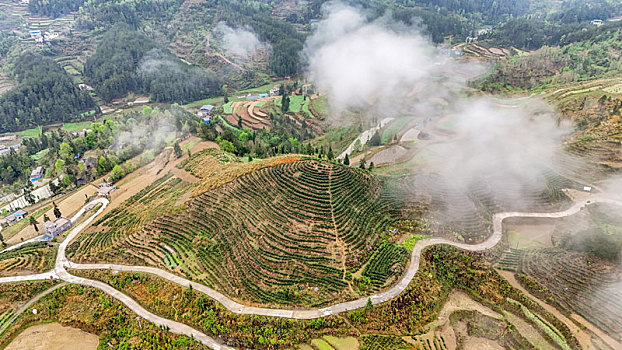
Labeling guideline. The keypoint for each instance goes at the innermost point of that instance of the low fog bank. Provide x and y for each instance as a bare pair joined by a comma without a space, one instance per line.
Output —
239,42
379,67
376,69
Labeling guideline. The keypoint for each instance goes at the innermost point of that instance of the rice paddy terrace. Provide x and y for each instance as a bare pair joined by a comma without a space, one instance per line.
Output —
298,233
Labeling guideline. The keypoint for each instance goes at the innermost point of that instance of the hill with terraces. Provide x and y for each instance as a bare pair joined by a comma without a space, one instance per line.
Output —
306,233
260,113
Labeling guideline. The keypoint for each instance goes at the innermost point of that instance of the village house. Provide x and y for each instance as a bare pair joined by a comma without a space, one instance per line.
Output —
597,22
4,150
36,35
105,189
206,111
275,90
55,228
36,174
13,218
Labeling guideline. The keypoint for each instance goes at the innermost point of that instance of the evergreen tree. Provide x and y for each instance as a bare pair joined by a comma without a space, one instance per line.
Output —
177,150
331,156
371,166
285,104
33,222
375,139
225,95
362,165
346,160
57,212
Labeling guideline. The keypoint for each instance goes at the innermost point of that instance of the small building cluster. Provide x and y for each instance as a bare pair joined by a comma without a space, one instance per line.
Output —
4,150
105,189
36,174
13,218
55,228
8,143
206,112
275,90
37,36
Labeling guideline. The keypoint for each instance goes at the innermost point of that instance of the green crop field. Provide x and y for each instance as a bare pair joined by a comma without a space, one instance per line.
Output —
76,127
227,108
395,127
296,104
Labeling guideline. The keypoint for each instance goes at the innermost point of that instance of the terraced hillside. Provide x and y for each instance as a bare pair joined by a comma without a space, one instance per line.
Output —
583,284
595,107
30,258
291,234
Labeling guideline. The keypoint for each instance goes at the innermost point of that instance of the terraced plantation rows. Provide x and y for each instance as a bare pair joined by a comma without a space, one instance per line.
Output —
282,234
30,258
288,234
116,226
586,285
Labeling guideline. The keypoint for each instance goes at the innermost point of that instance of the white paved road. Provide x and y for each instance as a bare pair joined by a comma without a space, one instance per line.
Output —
62,263
382,297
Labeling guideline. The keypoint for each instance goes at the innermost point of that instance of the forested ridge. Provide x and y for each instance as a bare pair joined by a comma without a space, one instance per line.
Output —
45,94
54,8
127,61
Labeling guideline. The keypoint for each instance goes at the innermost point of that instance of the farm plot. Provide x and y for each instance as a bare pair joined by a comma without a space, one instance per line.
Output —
121,221
30,258
254,114
287,234
54,336
584,285
13,295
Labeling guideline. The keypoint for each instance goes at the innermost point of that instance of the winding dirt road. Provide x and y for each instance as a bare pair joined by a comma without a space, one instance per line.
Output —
62,263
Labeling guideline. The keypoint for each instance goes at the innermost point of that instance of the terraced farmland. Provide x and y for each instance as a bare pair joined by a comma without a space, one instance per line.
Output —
254,114
161,195
466,213
588,286
30,258
288,234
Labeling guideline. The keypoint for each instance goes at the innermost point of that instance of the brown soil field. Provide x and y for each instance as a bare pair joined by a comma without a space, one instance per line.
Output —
53,336
457,300
529,332
134,182
389,155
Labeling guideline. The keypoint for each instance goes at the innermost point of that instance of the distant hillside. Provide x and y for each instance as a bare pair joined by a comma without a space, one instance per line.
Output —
128,61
